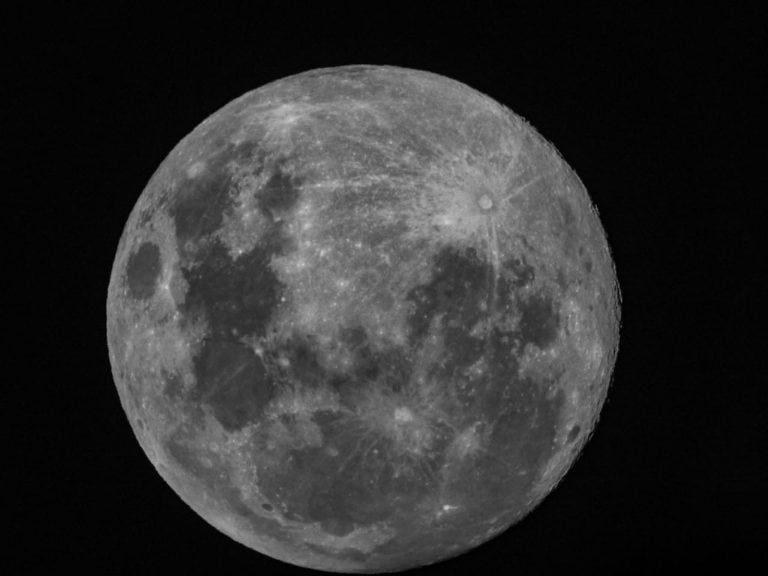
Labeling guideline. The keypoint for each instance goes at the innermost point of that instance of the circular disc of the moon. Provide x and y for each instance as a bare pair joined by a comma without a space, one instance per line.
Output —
363,318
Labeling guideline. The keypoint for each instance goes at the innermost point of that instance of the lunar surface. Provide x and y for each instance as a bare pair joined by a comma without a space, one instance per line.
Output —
363,319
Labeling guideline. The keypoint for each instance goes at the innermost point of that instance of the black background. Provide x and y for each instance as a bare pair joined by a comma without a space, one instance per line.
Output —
657,110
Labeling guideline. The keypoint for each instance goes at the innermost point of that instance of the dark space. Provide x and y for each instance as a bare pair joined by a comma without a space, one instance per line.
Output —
656,109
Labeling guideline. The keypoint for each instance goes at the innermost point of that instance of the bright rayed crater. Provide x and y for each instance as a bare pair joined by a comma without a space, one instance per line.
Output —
363,319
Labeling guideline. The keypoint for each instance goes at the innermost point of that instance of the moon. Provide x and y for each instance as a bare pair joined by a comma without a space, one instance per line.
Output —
363,319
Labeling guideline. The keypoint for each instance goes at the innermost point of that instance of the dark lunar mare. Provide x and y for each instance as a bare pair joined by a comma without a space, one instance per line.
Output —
199,204
538,321
366,480
236,297
357,477
302,366
465,291
363,482
521,270
143,270
460,284
280,193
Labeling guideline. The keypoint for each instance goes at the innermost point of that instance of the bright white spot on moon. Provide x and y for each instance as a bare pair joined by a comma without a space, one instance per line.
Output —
196,169
403,415
485,202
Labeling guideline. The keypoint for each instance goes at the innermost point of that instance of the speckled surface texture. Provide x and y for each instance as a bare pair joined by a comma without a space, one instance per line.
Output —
363,319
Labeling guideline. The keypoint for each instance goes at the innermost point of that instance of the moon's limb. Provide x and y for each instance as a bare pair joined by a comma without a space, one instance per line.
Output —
382,326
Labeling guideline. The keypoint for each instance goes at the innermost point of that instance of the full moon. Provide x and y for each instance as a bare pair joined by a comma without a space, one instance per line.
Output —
363,319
